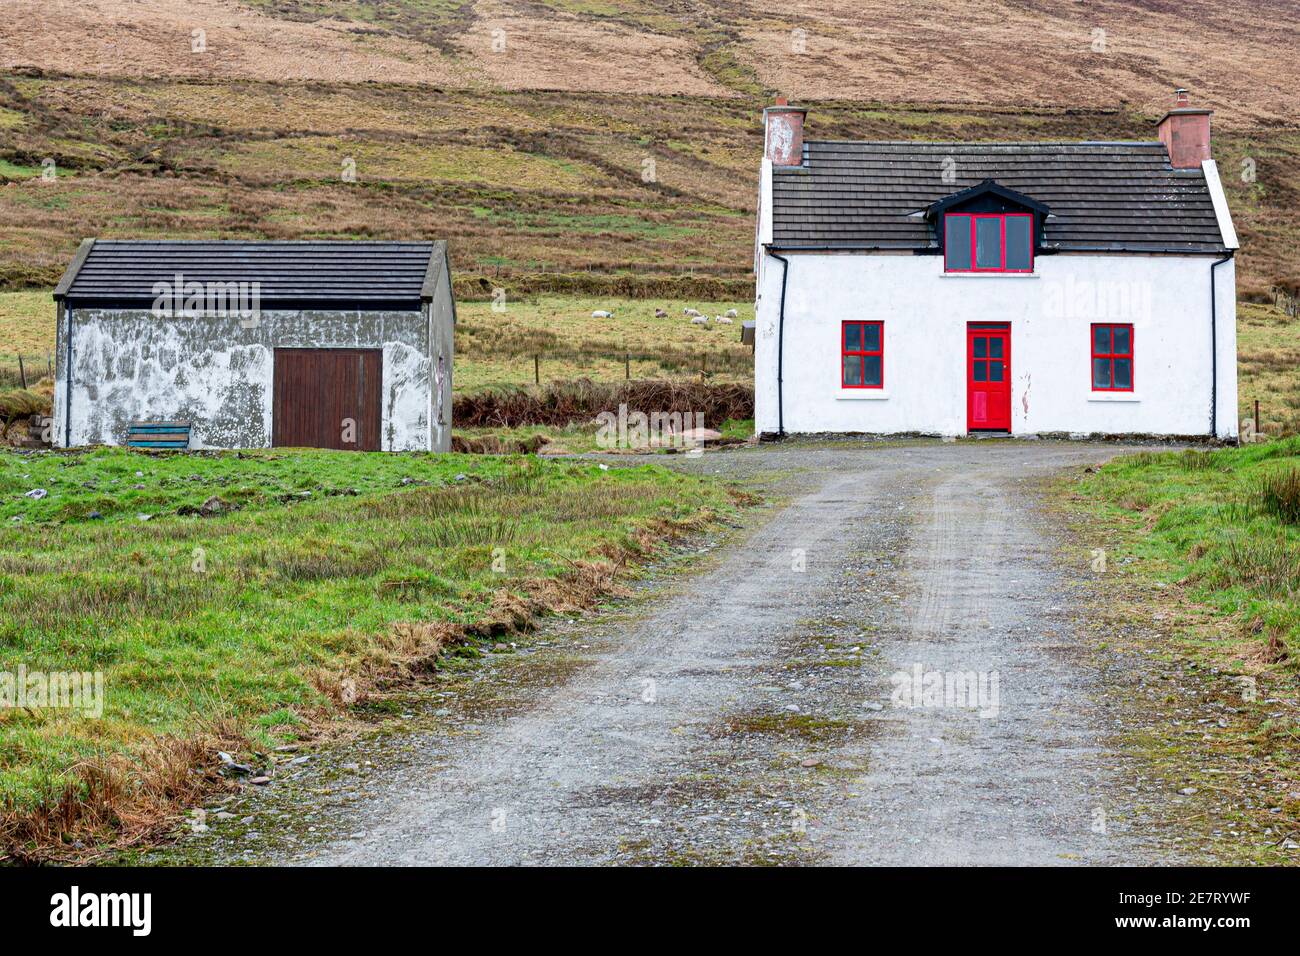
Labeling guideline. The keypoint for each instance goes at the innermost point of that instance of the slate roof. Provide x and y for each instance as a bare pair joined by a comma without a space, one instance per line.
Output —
330,274
1104,197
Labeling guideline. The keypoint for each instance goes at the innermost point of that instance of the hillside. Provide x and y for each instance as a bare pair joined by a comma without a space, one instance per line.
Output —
607,138
1090,54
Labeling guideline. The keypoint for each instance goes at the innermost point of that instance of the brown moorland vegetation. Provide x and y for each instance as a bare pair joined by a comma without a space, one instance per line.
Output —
586,193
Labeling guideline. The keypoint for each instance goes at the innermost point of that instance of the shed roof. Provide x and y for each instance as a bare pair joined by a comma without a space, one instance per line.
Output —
324,274
1103,197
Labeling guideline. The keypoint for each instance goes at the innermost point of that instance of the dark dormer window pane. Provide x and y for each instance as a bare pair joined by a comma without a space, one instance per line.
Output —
1019,242
956,241
988,242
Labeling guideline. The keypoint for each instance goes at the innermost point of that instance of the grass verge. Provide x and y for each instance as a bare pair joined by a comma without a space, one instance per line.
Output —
267,592
1194,560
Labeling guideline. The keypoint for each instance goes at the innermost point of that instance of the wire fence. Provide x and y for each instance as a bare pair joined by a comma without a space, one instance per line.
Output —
544,366
23,371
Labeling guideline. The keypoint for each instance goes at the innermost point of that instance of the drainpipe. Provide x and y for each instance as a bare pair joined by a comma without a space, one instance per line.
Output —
67,409
780,344
1214,349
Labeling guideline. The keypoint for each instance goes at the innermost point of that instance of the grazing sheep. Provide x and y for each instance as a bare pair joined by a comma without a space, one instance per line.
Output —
723,319
660,314
602,314
731,313
691,312
700,320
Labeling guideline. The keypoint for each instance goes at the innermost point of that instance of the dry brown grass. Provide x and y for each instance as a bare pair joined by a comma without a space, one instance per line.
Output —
539,191
1005,52
561,403
115,801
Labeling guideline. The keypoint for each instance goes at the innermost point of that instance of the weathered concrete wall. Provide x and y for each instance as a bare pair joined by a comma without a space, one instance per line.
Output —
925,312
129,365
442,334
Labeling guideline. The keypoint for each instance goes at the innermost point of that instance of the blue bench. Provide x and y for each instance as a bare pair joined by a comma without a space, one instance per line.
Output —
158,435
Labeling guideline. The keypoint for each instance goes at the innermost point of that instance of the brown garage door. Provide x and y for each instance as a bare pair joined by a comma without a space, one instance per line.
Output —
327,398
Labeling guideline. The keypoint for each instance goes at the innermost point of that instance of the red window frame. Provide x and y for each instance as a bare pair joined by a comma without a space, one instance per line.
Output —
1002,217
862,354
1111,356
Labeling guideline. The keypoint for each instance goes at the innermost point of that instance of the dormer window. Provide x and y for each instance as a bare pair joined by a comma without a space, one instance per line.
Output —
988,242
988,228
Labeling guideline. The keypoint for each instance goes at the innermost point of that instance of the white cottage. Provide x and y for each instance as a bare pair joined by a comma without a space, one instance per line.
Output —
1022,288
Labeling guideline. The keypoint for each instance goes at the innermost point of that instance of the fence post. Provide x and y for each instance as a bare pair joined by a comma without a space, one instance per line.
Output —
22,373
627,366
1257,419
537,369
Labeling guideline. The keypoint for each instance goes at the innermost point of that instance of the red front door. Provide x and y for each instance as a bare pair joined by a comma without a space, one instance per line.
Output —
988,377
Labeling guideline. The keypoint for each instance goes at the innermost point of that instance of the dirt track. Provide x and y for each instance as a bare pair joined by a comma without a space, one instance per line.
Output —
744,712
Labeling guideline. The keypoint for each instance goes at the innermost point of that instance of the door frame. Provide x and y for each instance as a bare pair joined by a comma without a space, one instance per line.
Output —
972,328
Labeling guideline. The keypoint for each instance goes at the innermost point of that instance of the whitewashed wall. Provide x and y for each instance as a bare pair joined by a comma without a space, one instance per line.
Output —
129,365
925,312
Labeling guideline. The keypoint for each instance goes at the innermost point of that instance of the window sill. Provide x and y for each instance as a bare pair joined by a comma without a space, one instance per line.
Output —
863,395
989,275
1114,397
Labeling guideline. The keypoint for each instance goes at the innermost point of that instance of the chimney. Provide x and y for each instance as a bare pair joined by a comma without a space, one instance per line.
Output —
783,133
1185,131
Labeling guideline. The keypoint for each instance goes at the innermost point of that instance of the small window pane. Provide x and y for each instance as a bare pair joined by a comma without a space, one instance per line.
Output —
871,338
1122,339
852,370
1019,241
873,370
988,243
1123,373
981,347
981,371
956,241
1101,339
995,348
995,371
1101,373
852,337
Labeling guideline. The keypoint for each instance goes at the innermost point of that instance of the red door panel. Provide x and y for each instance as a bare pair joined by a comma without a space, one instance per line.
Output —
988,378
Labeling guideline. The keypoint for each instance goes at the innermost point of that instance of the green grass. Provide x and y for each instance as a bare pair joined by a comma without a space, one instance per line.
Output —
495,348
1213,522
316,558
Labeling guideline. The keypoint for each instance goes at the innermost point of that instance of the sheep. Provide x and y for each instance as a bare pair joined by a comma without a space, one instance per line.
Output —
700,320
731,313
660,314
691,312
723,319
602,314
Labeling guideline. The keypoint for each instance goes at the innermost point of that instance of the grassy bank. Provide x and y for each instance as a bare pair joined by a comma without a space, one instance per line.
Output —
314,579
1223,526
1197,598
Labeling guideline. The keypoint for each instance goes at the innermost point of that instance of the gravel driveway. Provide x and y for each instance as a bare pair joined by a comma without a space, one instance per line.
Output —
879,667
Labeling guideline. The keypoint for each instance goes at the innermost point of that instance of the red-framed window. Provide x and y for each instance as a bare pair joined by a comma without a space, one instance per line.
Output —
988,242
1112,358
862,355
